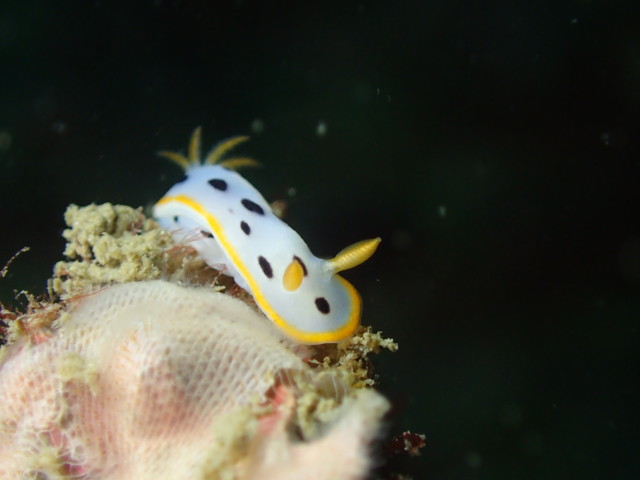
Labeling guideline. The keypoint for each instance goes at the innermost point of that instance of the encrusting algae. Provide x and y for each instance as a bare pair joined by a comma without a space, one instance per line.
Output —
142,368
109,244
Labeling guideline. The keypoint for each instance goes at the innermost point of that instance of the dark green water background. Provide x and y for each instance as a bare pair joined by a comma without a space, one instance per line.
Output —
492,144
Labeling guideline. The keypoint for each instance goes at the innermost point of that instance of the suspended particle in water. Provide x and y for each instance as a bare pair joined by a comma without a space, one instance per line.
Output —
5,140
321,129
257,126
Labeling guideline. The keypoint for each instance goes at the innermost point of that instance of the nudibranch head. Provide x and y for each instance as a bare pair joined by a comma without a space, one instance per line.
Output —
234,229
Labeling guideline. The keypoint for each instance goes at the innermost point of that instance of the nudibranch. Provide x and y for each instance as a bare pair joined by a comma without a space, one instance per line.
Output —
233,228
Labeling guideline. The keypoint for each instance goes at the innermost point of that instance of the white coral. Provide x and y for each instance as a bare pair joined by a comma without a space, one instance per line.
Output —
150,380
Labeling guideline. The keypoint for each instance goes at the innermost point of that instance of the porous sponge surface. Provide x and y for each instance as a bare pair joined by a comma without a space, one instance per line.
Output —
133,383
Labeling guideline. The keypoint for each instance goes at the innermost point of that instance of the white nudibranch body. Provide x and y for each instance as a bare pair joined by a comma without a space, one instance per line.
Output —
233,228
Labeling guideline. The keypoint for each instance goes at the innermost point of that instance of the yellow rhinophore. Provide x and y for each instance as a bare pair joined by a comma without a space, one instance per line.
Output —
353,255
293,275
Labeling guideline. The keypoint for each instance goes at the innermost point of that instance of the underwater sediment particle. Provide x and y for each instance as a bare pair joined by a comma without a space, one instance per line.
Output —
151,380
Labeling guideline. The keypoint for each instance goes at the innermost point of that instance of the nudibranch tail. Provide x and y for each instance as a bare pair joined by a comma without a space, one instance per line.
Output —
353,255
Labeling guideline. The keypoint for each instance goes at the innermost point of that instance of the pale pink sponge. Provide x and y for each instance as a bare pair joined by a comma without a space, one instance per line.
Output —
151,380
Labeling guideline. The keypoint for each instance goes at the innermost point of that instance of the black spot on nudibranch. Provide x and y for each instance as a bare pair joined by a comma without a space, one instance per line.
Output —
218,184
245,227
265,266
322,305
175,218
182,179
304,267
252,206
206,234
